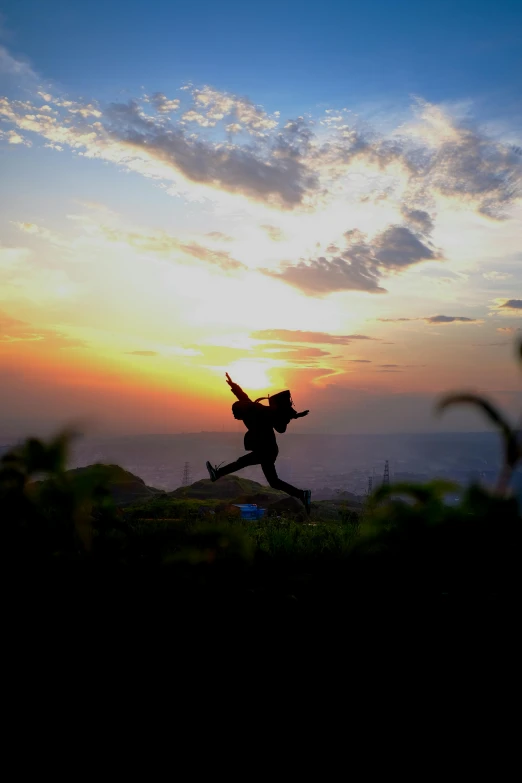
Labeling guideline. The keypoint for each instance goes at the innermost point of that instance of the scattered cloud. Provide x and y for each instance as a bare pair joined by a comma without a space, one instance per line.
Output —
512,304
142,353
359,361
238,111
441,155
13,137
284,164
509,329
162,104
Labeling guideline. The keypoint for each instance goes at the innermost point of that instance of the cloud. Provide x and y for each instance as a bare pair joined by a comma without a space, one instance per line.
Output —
438,154
359,265
509,329
12,330
219,236
162,104
449,319
284,164
40,231
434,319
15,67
297,336
142,353
238,111
294,354
275,234
13,137
389,366
512,304
219,258
496,275
487,345
322,276
163,243
195,116
273,174
359,361
418,218
398,247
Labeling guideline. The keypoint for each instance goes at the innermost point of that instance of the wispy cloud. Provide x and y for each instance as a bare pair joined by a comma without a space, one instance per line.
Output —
163,243
298,336
13,330
274,233
435,319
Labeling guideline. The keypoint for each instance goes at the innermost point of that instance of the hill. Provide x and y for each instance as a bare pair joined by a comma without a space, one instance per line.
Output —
123,486
231,487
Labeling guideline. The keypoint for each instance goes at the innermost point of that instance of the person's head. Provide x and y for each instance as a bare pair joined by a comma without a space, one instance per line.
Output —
238,410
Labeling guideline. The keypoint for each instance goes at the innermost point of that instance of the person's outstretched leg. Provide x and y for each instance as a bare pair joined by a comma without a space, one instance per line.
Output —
232,467
269,469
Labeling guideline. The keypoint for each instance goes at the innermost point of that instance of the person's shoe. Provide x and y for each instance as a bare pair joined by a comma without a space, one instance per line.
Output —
307,500
212,472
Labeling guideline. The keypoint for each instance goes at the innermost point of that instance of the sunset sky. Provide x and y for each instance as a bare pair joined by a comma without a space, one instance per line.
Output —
322,197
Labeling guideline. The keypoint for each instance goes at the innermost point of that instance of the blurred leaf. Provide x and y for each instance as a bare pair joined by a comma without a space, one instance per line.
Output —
473,399
434,490
511,446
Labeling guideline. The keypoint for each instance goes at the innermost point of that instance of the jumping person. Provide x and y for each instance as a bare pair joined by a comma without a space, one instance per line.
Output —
260,441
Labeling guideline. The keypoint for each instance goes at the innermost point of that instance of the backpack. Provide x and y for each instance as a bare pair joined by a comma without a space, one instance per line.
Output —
280,402
281,406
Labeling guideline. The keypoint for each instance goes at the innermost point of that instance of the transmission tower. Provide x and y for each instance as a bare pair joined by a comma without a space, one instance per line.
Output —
186,478
386,477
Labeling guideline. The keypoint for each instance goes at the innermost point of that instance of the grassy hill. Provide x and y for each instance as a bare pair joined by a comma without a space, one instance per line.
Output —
124,487
228,488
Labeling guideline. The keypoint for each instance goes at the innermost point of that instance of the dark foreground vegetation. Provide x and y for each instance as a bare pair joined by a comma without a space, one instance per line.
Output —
78,554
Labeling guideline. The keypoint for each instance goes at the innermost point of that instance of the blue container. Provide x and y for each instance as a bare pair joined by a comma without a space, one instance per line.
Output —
250,510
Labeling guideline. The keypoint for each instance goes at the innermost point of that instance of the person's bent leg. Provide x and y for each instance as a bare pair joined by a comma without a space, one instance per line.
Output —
243,462
275,482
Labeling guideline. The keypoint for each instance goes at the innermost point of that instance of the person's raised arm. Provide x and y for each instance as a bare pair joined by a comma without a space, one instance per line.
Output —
237,390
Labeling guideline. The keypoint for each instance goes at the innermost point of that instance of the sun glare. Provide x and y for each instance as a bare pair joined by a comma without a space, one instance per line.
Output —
250,374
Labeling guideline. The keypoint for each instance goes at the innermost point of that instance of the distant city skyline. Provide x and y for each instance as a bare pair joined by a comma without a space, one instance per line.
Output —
323,198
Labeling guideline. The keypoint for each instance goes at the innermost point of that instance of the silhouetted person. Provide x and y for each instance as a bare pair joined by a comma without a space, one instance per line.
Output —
260,441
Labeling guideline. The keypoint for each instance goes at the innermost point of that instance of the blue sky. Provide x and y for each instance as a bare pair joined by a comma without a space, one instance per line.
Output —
326,197
301,53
